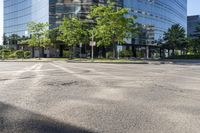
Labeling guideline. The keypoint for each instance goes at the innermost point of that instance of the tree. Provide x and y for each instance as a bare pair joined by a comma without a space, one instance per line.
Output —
193,45
53,35
72,32
174,38
198,31
111,26
39,35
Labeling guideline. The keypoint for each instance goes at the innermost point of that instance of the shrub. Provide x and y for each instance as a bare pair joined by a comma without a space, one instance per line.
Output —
125,53
13,55
19,54
27,54
4,53
67,54
109,54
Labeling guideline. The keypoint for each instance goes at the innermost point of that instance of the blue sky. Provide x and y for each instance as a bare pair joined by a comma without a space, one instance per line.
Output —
1,20
193,9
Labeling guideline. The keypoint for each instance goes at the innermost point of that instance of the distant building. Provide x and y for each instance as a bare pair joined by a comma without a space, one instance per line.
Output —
192,24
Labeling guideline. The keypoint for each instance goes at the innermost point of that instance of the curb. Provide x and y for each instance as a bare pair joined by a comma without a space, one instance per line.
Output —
108,62
27,61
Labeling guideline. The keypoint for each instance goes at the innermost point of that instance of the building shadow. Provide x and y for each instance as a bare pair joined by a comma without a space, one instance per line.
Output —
18,120
186,62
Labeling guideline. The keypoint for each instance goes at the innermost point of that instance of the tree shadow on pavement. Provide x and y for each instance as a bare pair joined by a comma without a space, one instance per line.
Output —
18,120
186,62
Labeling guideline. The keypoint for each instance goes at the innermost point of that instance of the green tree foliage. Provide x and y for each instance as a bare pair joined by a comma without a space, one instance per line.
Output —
175,38
19,54
27,54
53,35
39,35
4,53
126,53
112,25
71,31
194,46
193,42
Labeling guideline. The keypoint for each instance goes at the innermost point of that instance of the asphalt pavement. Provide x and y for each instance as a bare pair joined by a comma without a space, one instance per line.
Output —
60,97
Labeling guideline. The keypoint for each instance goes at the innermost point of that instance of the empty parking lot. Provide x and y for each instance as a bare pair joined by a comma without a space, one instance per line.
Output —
60,97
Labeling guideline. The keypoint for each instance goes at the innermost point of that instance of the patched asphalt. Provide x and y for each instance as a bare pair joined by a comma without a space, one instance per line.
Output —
60,97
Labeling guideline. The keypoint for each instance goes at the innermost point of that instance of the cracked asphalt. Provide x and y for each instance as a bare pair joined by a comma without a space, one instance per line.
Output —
60,97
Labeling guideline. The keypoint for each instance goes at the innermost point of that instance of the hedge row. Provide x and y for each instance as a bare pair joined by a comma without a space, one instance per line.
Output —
6,54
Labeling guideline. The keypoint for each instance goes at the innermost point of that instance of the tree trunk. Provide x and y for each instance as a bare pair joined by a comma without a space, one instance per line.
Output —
168,52
173,52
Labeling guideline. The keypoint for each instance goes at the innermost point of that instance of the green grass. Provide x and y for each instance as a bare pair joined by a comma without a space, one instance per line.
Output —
78,59
37,59
106,60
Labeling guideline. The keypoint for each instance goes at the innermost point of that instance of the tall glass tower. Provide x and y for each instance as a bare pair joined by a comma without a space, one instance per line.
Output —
158,15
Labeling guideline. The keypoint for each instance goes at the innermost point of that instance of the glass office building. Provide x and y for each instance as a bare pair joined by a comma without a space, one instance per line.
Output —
193,22
17,13
157,16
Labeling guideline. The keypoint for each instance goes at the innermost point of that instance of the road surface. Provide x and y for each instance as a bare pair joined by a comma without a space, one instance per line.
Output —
60,97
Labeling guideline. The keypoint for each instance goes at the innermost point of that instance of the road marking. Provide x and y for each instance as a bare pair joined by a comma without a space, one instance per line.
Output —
69,71
18,73
103,91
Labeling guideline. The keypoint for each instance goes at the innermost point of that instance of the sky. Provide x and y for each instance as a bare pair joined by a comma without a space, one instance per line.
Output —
193,9
1,21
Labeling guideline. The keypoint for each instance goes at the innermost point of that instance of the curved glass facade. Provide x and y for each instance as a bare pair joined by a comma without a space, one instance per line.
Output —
18,13
158,15
61,8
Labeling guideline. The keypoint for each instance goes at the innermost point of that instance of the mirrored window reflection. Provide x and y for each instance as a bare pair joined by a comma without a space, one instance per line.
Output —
18,13
160,14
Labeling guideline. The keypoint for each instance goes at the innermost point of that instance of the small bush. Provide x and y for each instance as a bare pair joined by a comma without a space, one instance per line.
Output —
5,53
109,54
13,55
125,53
27,54
67,54
19,54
